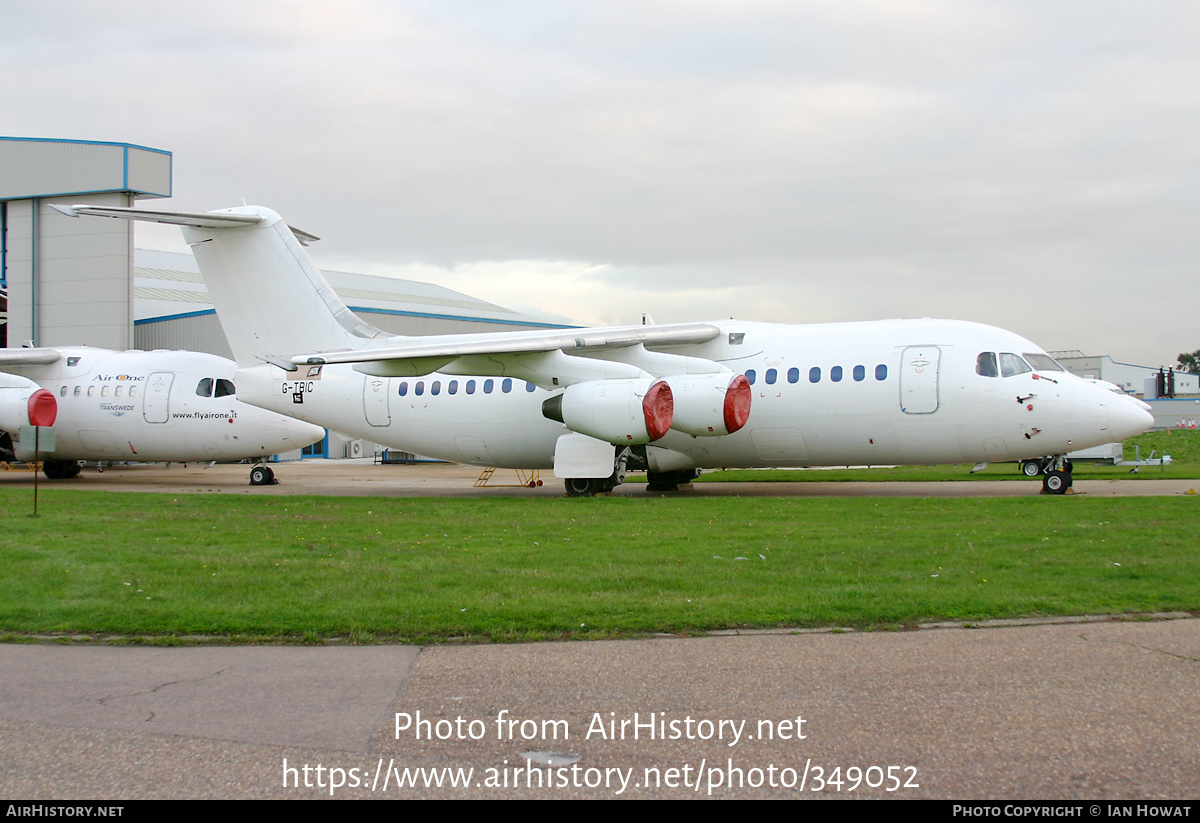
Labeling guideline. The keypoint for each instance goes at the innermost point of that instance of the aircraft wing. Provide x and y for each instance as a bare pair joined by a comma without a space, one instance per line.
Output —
29,357
579,340
545,358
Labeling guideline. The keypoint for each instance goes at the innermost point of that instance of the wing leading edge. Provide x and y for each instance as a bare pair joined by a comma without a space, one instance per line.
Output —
472,353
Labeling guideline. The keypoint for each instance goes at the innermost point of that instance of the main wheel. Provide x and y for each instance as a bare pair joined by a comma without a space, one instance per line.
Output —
662,481
60,469
587,486
1031,468
261,476
1056,482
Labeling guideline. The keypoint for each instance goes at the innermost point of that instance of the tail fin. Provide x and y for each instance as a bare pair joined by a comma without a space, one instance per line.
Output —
271,300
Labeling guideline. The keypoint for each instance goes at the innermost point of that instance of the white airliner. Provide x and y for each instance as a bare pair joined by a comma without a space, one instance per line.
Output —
672,398
138,406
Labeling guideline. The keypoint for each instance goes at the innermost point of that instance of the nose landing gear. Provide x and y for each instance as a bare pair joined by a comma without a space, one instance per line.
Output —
262,475
1057,478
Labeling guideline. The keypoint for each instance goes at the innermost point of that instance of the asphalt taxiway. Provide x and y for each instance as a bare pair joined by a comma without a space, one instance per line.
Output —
1075,710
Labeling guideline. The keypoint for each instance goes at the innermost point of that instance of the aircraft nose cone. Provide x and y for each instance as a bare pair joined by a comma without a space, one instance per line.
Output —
1128,416
302,433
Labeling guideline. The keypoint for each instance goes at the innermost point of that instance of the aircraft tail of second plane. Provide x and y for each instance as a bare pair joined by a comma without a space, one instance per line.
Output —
271,300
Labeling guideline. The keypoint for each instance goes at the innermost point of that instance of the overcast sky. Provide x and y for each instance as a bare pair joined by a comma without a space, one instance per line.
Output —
1031,165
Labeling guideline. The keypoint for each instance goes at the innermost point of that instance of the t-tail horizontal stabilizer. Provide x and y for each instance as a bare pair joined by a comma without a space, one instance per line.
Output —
271,300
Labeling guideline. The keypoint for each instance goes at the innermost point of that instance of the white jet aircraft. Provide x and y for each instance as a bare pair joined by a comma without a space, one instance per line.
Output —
672,398
138,406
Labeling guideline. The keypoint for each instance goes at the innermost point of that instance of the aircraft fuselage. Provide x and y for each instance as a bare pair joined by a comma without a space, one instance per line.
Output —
146,407
870,393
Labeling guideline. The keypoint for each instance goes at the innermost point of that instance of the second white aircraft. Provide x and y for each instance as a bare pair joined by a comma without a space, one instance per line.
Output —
672,399
137,406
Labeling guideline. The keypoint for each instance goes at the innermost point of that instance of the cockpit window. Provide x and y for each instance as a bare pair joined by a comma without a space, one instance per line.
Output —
224,388
985,364
1042,362
1012,365
204,387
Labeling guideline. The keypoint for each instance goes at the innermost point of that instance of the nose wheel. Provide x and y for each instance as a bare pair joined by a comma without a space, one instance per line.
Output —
1057,479
262,476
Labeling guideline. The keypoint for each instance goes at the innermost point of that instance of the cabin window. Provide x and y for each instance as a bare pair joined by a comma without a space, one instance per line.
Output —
860,374
403,388
91,391
436,387
204,387
79,389
529,386
750,375
470,387
814,375
985,364
881,372
133,391
104,391
224,388
506,386
419,389
452,387
793,375
835,374
1011,365
771,375
63,392
488,385
118,391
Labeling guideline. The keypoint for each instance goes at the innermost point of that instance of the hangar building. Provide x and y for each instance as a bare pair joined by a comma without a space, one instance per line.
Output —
1129,377
68,284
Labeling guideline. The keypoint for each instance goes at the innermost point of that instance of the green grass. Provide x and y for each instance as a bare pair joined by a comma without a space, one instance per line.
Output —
303,569
1183,446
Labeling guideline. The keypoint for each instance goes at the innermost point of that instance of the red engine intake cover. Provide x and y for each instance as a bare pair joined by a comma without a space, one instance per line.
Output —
43,408
658,406
737,403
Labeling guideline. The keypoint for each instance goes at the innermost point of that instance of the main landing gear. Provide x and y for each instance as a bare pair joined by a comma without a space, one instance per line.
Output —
670,481
1055,471
592,486
60,469
262,475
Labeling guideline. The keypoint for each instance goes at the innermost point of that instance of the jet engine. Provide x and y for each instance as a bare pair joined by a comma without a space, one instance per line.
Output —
629,412
15,392
19,397
710,404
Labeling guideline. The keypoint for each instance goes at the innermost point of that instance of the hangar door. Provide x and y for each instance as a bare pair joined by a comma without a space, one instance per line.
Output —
919,379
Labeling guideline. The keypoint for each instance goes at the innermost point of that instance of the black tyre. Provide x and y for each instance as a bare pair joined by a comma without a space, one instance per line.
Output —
587,486
261,476
60,469
1056,482
662,481
1031,468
